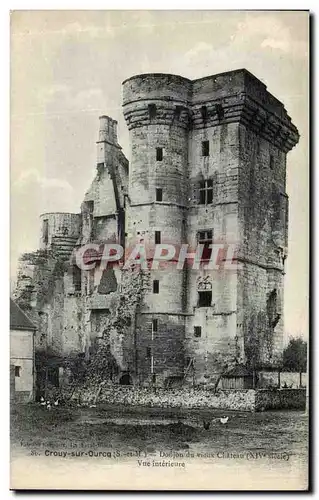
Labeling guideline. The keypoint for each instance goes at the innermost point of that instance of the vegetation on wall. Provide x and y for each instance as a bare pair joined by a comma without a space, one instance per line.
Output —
47,268
102,365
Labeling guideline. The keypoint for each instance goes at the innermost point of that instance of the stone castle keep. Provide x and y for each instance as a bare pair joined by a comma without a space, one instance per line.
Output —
208,164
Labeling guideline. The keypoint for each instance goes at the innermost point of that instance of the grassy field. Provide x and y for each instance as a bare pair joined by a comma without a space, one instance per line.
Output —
125,448
33,426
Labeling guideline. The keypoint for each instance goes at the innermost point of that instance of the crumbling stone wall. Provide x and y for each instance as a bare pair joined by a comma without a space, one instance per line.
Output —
240,400
186,398
103,211
48,303
53,290
114,328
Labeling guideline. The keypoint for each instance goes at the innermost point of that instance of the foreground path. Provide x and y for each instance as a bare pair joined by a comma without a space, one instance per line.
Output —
270,447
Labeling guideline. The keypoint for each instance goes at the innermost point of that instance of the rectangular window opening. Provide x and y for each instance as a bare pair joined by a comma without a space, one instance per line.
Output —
206,192
202,197
205,238
77,275
209,197
17,371
159,154
197,331
157,237
205,148
271,162
148,352
177,113
204,298
152,111
155,286
90,206
154,325
159,194
204,112
99,168
45,231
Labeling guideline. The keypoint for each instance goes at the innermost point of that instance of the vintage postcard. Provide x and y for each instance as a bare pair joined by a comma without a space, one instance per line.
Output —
159,250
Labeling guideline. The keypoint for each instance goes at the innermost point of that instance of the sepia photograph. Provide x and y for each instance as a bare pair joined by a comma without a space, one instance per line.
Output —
159,250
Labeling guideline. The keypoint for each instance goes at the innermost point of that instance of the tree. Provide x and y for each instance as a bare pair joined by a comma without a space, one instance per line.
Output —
295,356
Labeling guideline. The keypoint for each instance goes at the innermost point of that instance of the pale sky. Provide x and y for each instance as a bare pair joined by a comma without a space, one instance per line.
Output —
67,68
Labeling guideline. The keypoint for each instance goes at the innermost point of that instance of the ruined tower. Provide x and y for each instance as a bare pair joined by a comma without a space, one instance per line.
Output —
103,205
60,231
209,166
103,220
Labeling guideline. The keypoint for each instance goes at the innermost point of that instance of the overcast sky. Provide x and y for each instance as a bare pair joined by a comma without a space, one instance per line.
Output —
67,69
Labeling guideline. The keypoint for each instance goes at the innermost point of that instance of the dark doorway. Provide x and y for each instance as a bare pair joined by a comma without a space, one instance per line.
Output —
53,375
125,379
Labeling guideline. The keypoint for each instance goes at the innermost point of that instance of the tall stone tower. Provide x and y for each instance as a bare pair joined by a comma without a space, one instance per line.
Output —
208,165
156,111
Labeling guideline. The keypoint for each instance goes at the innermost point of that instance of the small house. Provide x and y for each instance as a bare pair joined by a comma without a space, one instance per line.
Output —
238,377
22,332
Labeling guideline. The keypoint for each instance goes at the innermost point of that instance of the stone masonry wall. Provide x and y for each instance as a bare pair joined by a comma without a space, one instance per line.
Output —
156,113
280,399
262,244
61,225
234,400
166,346
241,400
218,322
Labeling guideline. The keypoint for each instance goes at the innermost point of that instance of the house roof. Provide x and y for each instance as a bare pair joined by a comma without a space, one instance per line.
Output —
238,371
18,319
